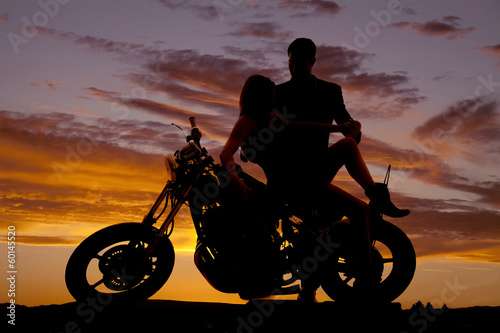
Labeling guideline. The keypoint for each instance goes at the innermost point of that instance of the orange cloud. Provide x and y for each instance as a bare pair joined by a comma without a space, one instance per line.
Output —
492,50
59,183
468,128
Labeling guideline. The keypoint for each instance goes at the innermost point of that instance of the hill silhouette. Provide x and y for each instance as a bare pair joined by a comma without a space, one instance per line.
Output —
257,316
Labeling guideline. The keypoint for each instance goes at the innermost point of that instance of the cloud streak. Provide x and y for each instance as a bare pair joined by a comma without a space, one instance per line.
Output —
269,30
347,67
76,173
208,81
430,167
4,18
468,128
449,28
492,50
310,8
224,9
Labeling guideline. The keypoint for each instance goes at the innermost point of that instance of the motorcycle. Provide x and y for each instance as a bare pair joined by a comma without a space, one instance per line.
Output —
255,247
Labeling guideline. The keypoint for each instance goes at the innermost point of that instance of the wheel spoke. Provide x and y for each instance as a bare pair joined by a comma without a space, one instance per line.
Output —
97,283
387,260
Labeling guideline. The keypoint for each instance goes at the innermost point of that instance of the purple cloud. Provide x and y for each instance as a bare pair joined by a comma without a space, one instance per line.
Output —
449,28
310,8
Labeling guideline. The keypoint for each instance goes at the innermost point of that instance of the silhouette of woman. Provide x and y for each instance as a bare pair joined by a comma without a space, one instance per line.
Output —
255,115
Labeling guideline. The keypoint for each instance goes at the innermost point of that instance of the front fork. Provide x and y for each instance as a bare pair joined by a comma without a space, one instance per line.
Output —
180,200
149,219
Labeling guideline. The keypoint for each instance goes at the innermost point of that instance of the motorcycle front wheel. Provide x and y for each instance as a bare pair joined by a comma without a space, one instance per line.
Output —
113,264
393,259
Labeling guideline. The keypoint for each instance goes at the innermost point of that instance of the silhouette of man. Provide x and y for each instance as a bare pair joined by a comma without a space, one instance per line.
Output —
305,98
305,164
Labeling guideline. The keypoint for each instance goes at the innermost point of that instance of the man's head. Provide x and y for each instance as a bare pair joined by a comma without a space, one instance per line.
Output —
301,58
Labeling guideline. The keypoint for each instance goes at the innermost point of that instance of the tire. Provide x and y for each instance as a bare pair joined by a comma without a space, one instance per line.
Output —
111,264
392,246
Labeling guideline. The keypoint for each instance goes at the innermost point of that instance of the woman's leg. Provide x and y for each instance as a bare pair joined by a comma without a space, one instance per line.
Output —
346,152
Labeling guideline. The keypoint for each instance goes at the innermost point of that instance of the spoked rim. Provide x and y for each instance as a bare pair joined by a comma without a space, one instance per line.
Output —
392,269
349,271
121,267
113,261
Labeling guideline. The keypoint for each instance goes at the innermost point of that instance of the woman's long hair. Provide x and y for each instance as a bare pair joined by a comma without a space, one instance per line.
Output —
256,97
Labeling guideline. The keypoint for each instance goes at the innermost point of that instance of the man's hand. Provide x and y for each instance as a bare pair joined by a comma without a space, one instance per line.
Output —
351,128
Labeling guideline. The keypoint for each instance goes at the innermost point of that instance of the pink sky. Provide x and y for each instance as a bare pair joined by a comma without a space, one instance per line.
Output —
88,96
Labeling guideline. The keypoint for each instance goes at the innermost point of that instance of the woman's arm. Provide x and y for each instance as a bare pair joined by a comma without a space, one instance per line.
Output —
350,128
240,131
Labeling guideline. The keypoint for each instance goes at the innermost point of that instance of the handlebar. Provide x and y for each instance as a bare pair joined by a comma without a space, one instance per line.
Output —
193,148
195,131
192,120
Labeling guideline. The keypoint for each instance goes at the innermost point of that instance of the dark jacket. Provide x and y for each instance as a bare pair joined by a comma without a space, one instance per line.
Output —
317,101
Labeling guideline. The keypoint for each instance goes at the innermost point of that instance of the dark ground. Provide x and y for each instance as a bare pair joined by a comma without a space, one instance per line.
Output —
258,316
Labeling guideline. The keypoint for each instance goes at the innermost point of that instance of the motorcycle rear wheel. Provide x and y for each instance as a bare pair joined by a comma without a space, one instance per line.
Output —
112,265
393,256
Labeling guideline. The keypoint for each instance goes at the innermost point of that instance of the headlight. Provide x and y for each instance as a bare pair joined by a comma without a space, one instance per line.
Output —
171,165
189,151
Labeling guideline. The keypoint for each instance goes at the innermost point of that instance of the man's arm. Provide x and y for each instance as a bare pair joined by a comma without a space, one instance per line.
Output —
340,113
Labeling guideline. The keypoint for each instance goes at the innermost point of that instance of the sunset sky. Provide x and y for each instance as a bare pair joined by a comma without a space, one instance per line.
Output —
89,90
